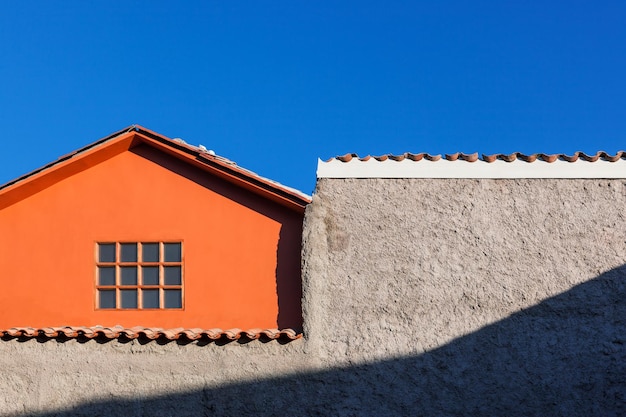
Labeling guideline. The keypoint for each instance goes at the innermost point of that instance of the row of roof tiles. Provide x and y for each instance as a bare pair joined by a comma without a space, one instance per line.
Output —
488,158
150,333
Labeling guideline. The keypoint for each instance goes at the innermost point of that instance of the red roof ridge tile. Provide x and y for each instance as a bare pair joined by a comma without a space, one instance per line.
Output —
151,333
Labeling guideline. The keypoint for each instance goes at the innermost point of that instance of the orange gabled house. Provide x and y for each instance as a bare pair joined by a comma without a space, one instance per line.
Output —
139,230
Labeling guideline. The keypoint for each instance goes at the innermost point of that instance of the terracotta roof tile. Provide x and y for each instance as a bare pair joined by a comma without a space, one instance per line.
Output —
149,333
601,155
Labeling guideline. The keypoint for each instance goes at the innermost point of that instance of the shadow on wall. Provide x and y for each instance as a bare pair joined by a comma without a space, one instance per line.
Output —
288,277
288,268
563,357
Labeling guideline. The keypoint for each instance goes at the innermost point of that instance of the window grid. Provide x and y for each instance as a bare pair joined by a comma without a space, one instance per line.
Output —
139,275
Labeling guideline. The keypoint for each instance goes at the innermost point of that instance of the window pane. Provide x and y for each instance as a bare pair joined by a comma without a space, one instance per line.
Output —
106,275
150,275
150,252
172,252
106,252
106,298
128,275
129,298
150,298
172,275
128,252
173,299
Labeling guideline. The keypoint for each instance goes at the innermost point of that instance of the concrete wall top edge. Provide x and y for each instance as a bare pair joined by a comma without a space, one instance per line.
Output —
373,168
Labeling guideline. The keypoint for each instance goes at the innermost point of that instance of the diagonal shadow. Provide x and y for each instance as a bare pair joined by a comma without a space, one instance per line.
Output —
563,357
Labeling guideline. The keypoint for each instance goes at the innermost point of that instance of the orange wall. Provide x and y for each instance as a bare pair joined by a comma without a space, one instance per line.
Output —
241,251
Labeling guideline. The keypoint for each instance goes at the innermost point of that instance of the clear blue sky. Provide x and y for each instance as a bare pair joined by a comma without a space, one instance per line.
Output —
275,85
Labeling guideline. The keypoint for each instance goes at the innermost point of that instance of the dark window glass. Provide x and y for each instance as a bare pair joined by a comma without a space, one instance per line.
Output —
128,252
128,275
106,252
150,252
173,299
120,283
172,275
150,275
106,275
150,298
106,298
172,252
129,298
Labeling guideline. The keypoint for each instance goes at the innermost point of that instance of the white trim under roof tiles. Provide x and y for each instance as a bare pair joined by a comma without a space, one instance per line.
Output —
443,168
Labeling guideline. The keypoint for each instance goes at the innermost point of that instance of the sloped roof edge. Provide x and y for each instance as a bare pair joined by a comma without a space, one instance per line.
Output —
221,166
66,157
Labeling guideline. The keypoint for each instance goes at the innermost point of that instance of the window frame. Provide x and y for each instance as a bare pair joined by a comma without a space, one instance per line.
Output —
140,267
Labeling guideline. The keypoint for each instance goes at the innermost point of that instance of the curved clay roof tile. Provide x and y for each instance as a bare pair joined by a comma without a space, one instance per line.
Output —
415,156
611,158
345,158
432,157
548,158
397,158
588,158
572,158
471,157
526,158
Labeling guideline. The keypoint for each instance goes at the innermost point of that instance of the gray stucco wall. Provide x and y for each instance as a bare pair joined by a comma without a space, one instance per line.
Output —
421,297
494,297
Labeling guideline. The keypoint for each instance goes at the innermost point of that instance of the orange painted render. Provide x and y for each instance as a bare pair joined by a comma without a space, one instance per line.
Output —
241,240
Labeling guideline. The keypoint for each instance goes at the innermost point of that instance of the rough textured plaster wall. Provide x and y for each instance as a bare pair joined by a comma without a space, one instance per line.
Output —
502,294
54,378
429,260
